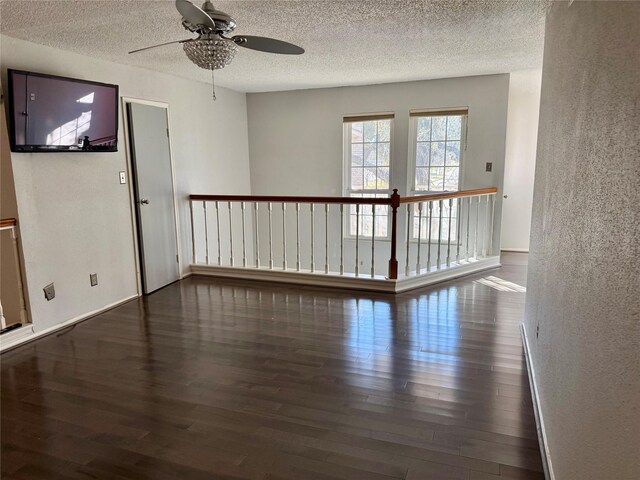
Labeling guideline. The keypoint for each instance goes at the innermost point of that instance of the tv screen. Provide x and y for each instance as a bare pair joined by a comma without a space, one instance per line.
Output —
57,114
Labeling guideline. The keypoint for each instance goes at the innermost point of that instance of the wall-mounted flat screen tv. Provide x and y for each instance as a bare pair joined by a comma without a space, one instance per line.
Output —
58,114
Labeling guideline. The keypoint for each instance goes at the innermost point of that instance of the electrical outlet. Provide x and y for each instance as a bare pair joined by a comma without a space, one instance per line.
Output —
123,178
537,331
93,278
49,292
489,167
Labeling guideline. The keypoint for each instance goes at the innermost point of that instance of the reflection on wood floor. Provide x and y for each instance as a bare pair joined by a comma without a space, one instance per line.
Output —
218,379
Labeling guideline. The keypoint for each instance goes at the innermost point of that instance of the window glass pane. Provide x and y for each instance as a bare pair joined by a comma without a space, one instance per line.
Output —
356,178
384,130
436,178
422,179
437,154
453,154
424,129
422,154
439,129
381,209
370,178
370,131
454,127
366,226
381,226
356,154
370,154
451,178
352,220
383,178
356,132
383,154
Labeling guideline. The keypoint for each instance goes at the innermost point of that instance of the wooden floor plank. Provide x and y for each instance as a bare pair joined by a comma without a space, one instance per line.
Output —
228,379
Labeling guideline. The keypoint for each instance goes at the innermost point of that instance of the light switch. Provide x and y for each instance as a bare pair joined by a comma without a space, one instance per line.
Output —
123,178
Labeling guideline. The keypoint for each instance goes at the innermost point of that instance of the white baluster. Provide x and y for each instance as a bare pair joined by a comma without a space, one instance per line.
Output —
493,212
485,211
298,237
284,237
419,237
341,239
313,265
193,235
255,232
429,228
230,235
270,207
373,240
357,269
458,228
449,233
244,242
326,238
466,250
406,263
206,233
439,231
475,234
218,232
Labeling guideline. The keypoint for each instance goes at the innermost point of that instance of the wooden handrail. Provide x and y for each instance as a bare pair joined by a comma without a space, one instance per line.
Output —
292,199
445,195
343,200
8,222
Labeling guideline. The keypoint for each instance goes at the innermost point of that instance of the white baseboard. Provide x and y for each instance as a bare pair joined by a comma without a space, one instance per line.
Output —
438,276
542,436
14,336
378,283
7,344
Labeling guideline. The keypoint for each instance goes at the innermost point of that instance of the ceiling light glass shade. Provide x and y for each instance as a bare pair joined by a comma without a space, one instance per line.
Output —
210,53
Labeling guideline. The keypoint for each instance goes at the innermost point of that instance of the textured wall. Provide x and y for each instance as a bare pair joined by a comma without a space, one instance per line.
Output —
75,216
584,275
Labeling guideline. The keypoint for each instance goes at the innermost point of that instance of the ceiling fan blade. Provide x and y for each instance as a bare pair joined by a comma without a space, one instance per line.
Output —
160,45
194,15
269,45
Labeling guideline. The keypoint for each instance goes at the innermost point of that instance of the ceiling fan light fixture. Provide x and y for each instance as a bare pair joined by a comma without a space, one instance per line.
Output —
210,52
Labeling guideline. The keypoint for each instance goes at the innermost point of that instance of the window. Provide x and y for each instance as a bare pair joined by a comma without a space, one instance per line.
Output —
367,155
438,144
438,140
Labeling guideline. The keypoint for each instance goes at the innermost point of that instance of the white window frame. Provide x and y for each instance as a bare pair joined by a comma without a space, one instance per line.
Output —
346,170
413,141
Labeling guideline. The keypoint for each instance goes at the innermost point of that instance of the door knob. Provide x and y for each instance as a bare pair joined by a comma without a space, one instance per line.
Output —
144,201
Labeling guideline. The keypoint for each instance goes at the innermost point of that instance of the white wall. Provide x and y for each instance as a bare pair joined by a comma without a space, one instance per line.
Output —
584,274
295,139
75,216
520,158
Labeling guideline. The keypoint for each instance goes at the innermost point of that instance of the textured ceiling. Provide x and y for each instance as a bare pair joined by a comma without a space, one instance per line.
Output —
346,42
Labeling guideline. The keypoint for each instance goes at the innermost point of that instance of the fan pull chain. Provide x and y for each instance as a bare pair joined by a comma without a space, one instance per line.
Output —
213,84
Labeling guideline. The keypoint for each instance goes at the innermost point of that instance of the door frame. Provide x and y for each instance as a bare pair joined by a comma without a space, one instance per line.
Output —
132,196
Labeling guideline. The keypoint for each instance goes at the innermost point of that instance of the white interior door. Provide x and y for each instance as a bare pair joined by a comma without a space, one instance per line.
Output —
153,194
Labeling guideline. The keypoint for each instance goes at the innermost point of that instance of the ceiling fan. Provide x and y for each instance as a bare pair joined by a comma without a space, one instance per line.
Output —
212,49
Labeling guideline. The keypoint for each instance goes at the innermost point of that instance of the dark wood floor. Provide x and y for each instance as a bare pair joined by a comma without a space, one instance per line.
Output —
213,379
